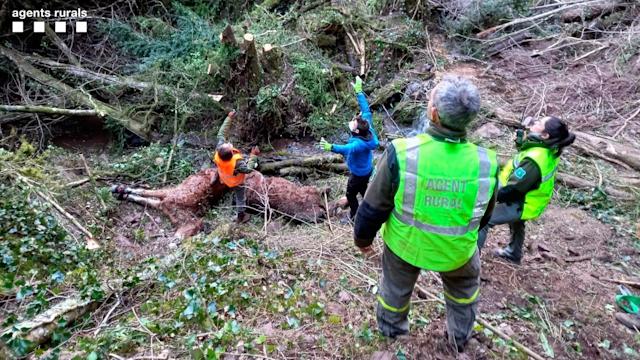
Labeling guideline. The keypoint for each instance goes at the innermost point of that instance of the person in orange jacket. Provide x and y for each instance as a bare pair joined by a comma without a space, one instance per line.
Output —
232,167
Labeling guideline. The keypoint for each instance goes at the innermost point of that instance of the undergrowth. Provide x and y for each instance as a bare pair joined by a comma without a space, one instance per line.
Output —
149,164
208,301
462,23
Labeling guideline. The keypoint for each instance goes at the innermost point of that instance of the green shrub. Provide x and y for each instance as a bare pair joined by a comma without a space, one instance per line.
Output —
32,241
312,81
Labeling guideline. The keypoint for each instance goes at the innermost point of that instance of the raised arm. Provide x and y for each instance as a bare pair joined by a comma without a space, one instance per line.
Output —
223,132
364,106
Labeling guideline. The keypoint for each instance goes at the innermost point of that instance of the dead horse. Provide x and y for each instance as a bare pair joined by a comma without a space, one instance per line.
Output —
185,203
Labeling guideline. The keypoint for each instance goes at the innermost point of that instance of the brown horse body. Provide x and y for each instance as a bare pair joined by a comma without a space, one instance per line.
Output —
184,203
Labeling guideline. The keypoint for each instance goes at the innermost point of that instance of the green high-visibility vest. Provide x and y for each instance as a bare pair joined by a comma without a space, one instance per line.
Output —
443,193
536,200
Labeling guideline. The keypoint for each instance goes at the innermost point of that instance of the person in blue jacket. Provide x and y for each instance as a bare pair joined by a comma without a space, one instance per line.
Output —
358,151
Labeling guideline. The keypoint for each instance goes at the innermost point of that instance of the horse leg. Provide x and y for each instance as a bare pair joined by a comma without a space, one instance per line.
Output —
160,193
154,203
121,191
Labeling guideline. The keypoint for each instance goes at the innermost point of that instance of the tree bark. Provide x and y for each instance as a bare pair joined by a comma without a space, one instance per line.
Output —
591,11
81,72
579,183
47,110
227,37
253,70
382,95
613,149
139,128
312,161
60,44
271,60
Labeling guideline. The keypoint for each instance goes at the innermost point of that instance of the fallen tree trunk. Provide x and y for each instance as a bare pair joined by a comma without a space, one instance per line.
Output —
508,43
60,44
592,11
312,161
140,128
252,64
613,149
47,110
597,145
579,183
124,81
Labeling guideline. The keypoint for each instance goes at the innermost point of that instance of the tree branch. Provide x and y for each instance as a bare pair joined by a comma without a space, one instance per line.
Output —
138,127
47,110
81,72
60,44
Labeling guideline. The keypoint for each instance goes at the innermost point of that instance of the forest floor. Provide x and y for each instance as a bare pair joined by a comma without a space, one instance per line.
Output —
559,302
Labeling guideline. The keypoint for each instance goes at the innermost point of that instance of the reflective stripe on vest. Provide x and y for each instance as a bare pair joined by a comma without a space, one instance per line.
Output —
463,301
536,200
227,168
443,193
482,200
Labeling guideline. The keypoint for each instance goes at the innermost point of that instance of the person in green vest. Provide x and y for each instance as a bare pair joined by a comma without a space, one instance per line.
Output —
431,194
527,181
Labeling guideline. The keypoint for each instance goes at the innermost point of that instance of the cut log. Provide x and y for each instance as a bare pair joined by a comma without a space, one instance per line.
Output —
312,161
138,127
580,183
294,171
613,149
253,70
227,37
47,110
508,43
271,60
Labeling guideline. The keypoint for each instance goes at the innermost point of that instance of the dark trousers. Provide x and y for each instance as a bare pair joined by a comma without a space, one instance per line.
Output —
461,288
240,198
506,214
356,185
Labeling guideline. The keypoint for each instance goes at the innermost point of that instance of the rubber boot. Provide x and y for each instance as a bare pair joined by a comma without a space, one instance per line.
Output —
632,321
504,253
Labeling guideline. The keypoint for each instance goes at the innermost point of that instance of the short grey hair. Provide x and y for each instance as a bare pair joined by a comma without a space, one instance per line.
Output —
457,101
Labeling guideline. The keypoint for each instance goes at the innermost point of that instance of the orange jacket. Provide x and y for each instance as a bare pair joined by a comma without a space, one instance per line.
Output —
227,168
